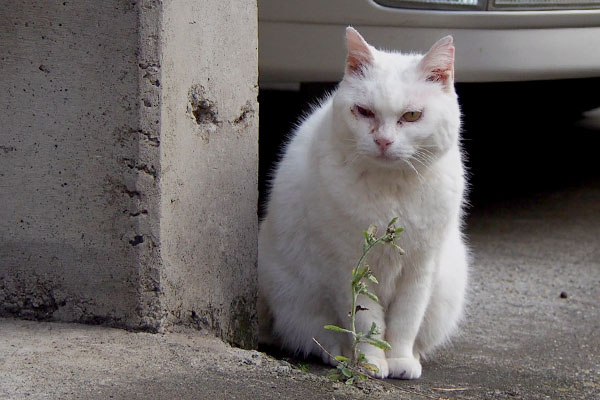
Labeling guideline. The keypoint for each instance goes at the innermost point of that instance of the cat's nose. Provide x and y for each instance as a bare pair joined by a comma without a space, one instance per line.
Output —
383,143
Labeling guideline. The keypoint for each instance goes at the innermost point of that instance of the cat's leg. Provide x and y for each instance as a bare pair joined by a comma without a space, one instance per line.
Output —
404,317
293,311
364,320
300,319
330,311
447,300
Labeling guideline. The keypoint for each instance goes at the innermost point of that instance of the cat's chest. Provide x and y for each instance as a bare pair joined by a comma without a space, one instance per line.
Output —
418,206
423,208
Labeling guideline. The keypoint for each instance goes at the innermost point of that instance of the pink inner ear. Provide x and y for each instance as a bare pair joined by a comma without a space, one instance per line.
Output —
438,64
359,53
440,75
356,61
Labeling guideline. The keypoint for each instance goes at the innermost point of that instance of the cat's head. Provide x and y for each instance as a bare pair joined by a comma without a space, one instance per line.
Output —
398,108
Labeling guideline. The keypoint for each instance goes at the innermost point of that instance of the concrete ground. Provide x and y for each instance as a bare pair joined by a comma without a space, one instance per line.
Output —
533,326
532,331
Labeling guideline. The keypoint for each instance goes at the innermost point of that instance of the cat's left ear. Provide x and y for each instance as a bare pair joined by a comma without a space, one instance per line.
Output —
438,64
359,52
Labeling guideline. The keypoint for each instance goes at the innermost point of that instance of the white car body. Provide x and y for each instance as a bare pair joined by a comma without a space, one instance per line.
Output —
302,40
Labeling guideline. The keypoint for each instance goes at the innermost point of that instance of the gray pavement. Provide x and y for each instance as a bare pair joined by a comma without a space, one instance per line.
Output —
533,329
520,340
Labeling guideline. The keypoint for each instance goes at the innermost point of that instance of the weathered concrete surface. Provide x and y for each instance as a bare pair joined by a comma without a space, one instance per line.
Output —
77,177
128,163
210,159
521,340
70,361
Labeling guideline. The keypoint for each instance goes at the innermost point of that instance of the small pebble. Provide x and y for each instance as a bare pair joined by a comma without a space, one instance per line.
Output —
563,295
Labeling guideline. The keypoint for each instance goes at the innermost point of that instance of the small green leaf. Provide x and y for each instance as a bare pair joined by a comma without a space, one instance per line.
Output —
360,288
393,221
361,357
360,274
370,367
335,376
342,358
373,327
346,372
303,367
350,381
382,344
374,330
399,230
400,249
372,279
370,295
336,328
367,236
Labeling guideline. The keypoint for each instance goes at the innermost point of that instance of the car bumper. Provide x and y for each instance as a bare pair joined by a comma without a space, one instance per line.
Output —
297,45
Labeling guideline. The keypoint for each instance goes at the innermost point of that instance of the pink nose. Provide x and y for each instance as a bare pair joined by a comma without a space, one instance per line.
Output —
383,143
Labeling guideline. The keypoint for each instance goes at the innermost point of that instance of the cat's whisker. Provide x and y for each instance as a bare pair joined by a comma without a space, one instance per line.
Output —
425,146
424,151
427,156
423,163
430,159
352,160
425,166
423,156
419,176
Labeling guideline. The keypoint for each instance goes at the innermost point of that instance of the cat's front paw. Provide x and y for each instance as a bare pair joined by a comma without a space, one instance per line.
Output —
404,368
381,365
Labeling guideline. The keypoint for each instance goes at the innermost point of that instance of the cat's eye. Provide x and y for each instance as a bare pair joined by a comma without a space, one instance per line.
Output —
411,116
364,112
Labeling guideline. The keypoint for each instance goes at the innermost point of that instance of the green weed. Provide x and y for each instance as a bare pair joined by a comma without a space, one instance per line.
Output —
353,369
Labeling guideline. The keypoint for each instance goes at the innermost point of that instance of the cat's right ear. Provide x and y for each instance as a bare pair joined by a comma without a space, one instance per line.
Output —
359,52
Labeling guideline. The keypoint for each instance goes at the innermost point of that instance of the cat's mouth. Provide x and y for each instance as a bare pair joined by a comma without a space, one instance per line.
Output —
391,161
385,156
386,159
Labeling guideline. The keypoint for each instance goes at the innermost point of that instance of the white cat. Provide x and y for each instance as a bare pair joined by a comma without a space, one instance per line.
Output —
384,144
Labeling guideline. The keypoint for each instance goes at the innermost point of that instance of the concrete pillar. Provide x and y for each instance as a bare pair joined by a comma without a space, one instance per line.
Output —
128,163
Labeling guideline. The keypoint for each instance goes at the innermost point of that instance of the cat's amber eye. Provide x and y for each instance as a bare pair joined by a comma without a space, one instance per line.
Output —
364,112
411,116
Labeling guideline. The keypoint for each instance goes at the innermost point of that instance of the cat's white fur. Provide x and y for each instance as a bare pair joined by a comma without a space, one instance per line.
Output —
335,180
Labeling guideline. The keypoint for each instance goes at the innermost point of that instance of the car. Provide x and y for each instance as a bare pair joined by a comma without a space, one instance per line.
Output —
496,40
